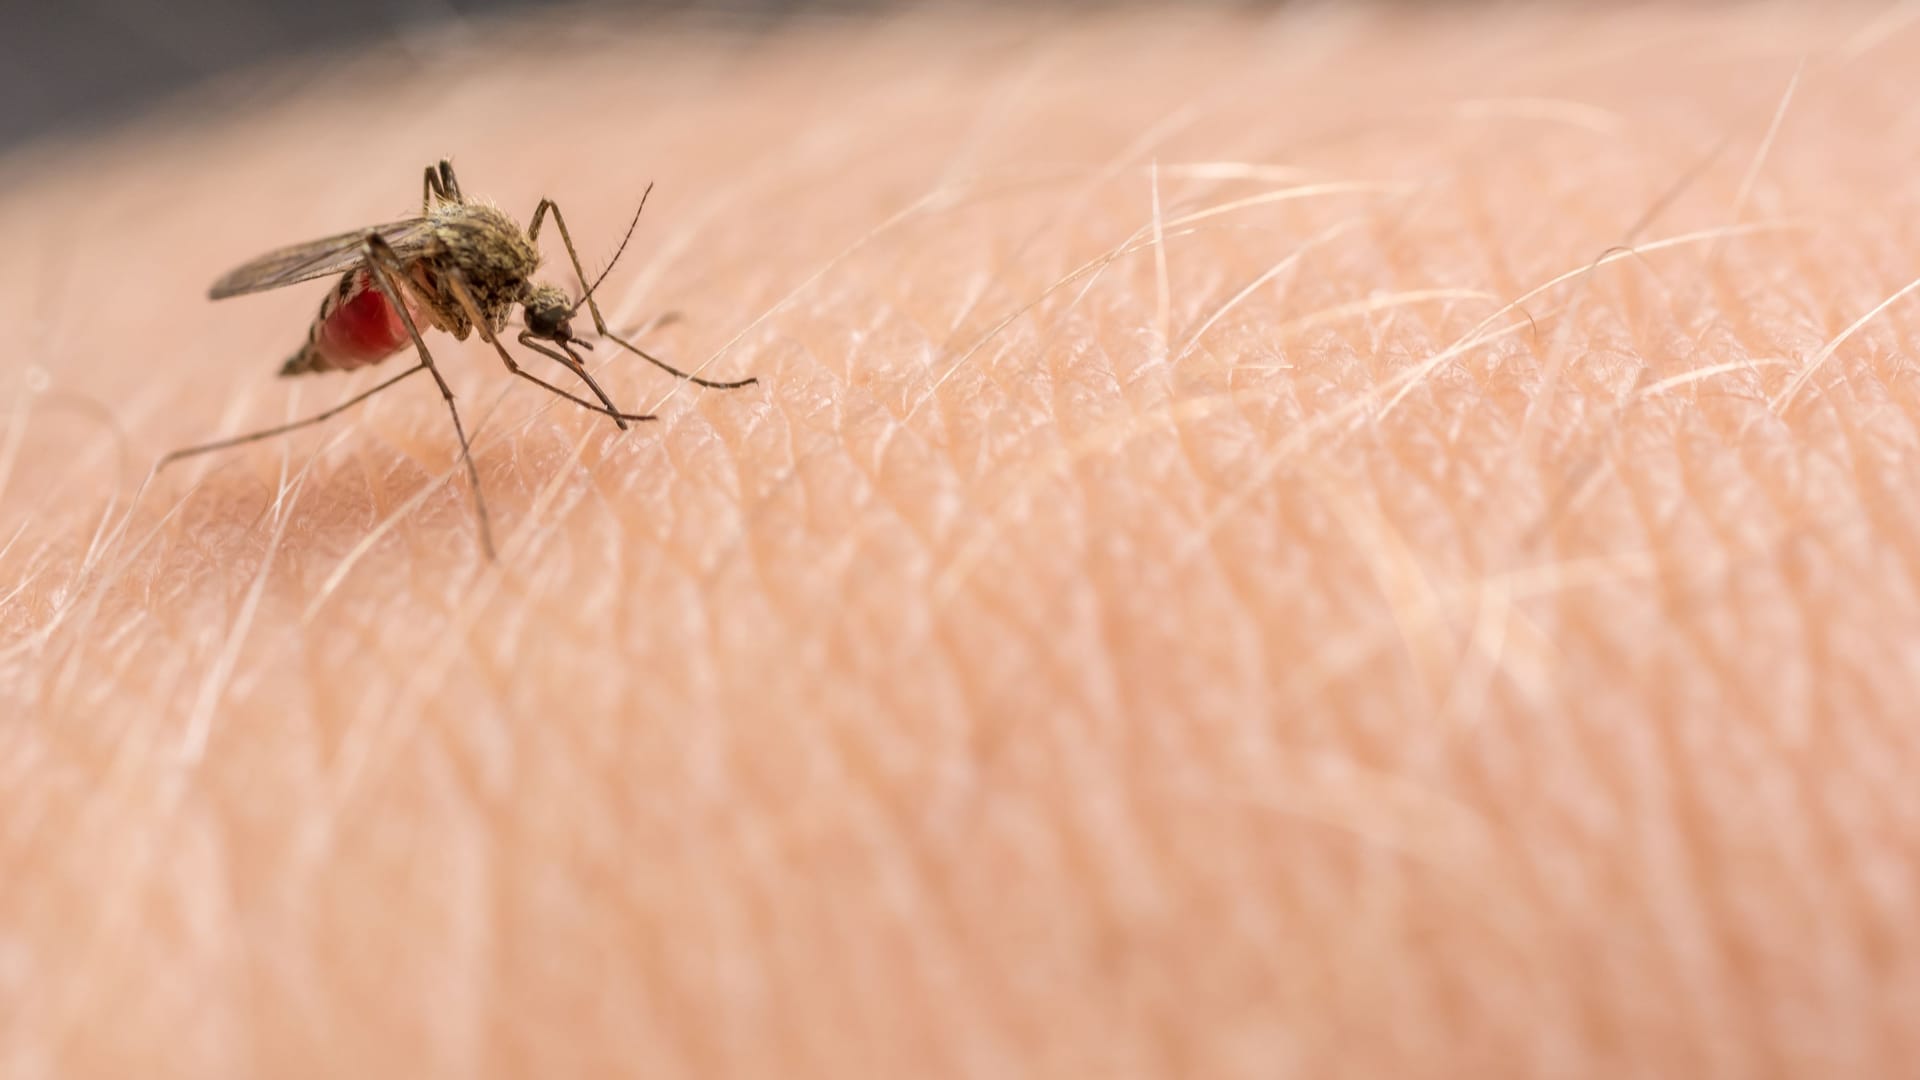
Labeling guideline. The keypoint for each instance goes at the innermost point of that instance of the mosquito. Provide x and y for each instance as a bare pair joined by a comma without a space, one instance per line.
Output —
459,267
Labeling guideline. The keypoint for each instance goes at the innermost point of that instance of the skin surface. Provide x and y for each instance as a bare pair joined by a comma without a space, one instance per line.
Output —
1342,543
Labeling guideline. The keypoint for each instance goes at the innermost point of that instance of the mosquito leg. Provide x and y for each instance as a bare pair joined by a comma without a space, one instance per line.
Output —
599,321
572,363
284,428
439,182
385,269
464,295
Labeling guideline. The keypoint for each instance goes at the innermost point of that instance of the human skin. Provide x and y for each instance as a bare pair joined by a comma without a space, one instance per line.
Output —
1349,542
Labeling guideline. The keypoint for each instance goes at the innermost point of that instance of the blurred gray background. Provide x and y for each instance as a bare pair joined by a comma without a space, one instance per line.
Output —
69,65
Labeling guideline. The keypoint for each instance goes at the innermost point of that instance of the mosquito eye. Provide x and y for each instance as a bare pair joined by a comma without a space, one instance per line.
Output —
549,322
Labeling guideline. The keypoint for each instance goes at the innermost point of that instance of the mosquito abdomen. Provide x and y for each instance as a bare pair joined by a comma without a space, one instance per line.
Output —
356,326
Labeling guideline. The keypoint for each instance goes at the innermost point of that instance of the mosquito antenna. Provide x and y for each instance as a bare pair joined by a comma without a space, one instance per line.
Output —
616,252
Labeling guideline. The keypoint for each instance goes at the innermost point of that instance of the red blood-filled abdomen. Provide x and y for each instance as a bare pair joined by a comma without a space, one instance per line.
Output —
363,330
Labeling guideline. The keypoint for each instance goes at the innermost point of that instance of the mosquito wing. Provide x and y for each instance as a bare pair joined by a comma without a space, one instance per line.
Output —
304,262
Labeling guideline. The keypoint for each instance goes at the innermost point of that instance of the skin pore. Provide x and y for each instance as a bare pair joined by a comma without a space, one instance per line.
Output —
1345,542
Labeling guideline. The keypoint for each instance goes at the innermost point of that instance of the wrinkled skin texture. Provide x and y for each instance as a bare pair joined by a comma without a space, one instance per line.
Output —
1272,652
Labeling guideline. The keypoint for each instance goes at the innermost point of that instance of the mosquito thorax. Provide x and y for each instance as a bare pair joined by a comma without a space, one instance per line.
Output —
489,249
547,313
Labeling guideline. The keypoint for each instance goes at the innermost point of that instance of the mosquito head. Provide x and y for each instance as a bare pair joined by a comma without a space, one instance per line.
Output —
548,313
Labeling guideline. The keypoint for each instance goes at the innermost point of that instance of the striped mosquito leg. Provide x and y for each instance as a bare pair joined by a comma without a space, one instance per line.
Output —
282,429
386,269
